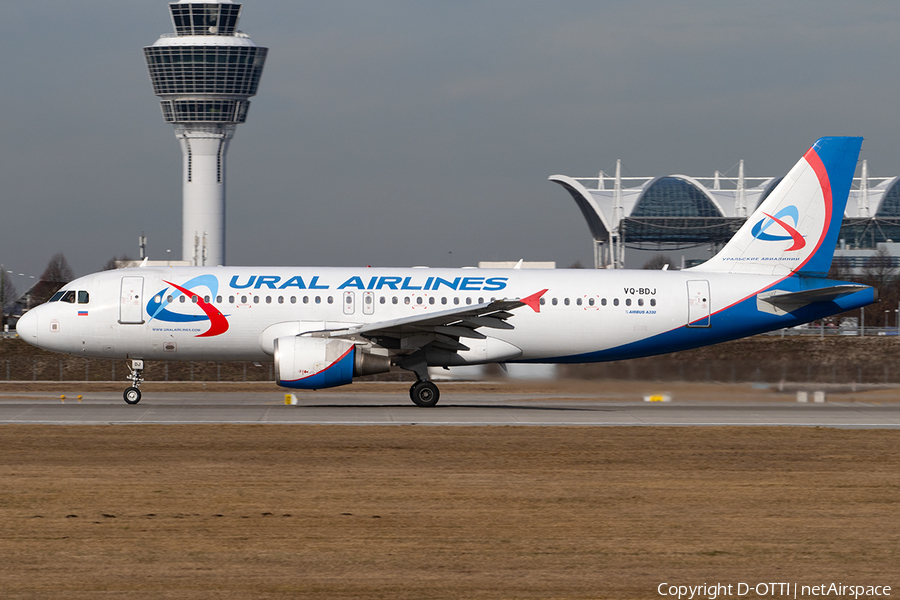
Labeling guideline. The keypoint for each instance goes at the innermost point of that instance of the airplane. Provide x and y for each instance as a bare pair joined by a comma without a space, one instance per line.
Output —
324,326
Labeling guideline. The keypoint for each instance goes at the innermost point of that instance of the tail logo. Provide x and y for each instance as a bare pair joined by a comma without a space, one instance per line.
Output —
157,307
759,229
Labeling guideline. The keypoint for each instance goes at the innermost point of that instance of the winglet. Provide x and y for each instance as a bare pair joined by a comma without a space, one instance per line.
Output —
534,301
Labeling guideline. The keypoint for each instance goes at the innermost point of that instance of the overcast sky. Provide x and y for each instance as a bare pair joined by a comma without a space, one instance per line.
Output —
423,133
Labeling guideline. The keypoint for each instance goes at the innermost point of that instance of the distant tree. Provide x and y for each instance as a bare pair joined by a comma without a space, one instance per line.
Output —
576,265
111,263
879,272
58,270
841,269
7,295
657,262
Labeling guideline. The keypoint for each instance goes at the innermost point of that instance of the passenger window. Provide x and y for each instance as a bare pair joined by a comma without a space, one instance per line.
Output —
368,300
230,299
603,302
456,300
305,299
280,299
578,301
243,299
268,299
194,299
69,297
627,301
255,299
318,299
83,297
406,300
566,301
56,296
206,299
615,301
431,300
554,302
543,301
652,301
444,300
350,300
419,300
330,299
394,300
481,301
640,301
182,298
382,300
468,301
219,299
591,301
293,299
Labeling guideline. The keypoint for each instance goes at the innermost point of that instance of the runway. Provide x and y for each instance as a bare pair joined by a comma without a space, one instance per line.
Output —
458,409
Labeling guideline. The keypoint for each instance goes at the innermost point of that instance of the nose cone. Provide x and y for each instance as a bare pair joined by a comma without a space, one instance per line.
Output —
27,327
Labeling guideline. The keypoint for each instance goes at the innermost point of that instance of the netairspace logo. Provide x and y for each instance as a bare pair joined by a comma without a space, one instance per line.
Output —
773,590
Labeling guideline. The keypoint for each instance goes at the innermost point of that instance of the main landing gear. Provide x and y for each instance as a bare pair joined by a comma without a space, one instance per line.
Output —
424,393
133,394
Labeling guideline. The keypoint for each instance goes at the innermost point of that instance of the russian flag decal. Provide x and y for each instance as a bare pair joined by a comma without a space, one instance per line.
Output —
82,313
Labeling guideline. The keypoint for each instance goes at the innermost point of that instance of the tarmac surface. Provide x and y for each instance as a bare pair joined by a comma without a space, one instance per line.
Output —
536,409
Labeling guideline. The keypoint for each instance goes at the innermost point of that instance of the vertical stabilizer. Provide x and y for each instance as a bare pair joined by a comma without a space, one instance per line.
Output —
795,229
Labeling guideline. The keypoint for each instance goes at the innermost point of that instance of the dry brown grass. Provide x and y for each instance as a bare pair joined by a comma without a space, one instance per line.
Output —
230,511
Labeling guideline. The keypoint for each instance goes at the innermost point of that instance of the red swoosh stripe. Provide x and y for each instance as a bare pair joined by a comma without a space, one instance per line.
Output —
218,324
812,158
799,242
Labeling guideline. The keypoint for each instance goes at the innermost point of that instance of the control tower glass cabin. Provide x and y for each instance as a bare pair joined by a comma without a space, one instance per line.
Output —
204,75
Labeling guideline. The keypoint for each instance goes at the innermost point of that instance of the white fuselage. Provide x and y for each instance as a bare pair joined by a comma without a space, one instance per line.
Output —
582,312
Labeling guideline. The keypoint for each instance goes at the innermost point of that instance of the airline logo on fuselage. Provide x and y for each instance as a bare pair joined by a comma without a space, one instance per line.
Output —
370,283
759,229
158,305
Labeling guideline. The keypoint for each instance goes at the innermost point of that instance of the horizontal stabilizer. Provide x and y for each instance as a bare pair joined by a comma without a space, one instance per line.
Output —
780,302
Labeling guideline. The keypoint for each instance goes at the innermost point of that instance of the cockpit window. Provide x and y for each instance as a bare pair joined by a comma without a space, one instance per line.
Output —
56,296
69,297
83,297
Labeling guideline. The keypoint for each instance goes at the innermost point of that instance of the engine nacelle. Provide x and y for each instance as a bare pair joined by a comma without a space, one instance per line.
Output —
314,363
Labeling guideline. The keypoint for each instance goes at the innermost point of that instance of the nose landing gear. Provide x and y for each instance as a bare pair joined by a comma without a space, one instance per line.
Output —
132,395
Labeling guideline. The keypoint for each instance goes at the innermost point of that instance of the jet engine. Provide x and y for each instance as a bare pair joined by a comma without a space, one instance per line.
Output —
314,363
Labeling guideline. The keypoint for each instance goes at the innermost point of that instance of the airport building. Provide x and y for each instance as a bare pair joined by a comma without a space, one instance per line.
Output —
204,75
677,212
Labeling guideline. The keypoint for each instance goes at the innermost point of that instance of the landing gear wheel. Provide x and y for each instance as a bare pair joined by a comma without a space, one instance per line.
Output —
424,394
132,395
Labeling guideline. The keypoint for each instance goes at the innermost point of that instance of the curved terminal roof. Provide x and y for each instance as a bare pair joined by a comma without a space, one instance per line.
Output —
676,196
680,211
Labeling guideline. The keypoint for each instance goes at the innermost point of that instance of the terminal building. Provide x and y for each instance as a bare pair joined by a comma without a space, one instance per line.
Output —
677,212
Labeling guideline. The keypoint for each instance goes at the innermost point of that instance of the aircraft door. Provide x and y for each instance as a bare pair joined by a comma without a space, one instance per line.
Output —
349,303
368,303
698,303
131,301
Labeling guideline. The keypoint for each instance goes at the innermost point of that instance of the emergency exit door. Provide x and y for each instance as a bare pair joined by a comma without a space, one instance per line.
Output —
698,303
131,301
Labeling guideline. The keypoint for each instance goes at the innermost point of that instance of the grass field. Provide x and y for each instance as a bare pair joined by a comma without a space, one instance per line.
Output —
271,511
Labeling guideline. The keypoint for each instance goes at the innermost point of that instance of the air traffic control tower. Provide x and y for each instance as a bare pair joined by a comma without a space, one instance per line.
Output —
204,74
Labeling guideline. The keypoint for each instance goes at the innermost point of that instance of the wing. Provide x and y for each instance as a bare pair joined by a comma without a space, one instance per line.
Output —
441,329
